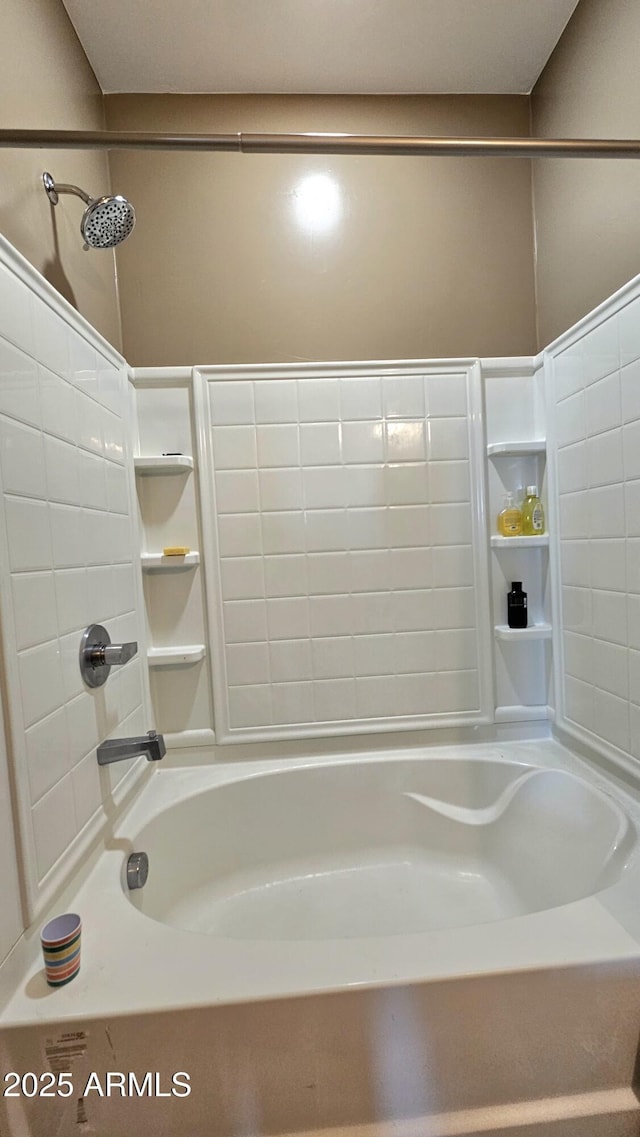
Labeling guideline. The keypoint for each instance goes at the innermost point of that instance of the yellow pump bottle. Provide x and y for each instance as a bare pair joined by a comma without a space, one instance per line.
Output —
510,518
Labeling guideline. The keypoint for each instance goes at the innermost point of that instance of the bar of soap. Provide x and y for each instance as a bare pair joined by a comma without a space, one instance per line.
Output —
176,551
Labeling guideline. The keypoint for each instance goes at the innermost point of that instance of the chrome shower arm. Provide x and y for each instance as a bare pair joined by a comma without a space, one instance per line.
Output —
61,187
53,188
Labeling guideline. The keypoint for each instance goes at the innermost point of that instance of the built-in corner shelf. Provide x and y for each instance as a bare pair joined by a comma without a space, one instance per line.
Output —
498,449
163,464
179,656
499,542
157,562
514,635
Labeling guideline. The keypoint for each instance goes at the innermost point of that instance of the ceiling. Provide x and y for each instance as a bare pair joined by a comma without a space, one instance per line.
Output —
319,46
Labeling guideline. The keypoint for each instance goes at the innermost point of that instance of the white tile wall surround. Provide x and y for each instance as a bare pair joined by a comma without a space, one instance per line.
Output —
593,391
347,543
67,552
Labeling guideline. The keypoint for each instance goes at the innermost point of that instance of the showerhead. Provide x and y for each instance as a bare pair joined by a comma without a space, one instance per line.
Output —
106,221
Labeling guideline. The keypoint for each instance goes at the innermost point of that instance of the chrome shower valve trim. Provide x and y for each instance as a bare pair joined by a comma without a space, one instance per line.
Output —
98,655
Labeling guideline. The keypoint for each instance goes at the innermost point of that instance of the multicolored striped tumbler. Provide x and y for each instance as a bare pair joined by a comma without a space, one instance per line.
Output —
60,940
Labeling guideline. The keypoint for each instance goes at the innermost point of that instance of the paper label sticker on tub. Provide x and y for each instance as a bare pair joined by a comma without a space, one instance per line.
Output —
64,1049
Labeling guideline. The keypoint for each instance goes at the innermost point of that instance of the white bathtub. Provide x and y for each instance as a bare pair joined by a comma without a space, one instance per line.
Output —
379,849
275,878
380,945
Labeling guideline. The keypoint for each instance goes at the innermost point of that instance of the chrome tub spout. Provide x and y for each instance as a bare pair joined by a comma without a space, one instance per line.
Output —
118,749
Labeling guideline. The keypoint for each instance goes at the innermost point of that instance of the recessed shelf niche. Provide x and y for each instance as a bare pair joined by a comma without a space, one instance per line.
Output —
166,468
516,452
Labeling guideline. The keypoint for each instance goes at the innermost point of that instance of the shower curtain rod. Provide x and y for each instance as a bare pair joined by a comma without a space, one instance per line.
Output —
315,143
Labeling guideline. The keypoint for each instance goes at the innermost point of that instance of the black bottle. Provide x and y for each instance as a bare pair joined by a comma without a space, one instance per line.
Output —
517,606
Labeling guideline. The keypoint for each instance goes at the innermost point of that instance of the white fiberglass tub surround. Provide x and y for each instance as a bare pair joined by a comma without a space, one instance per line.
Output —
379,849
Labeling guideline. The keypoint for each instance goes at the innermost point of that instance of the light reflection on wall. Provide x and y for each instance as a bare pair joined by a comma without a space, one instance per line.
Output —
317,203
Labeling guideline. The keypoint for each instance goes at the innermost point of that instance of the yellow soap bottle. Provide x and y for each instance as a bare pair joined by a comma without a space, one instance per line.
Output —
532,513
510,518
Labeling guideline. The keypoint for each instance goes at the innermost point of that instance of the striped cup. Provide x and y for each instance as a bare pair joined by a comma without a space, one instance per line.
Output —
60,940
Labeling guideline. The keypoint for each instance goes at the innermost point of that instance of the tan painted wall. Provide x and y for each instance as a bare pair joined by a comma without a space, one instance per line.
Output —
587,212
46,82
429,258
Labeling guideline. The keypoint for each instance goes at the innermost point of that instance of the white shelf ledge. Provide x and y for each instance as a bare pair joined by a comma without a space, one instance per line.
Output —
515,713
535,446
499,542
185,739
163,464
156,562
533,632
179,656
